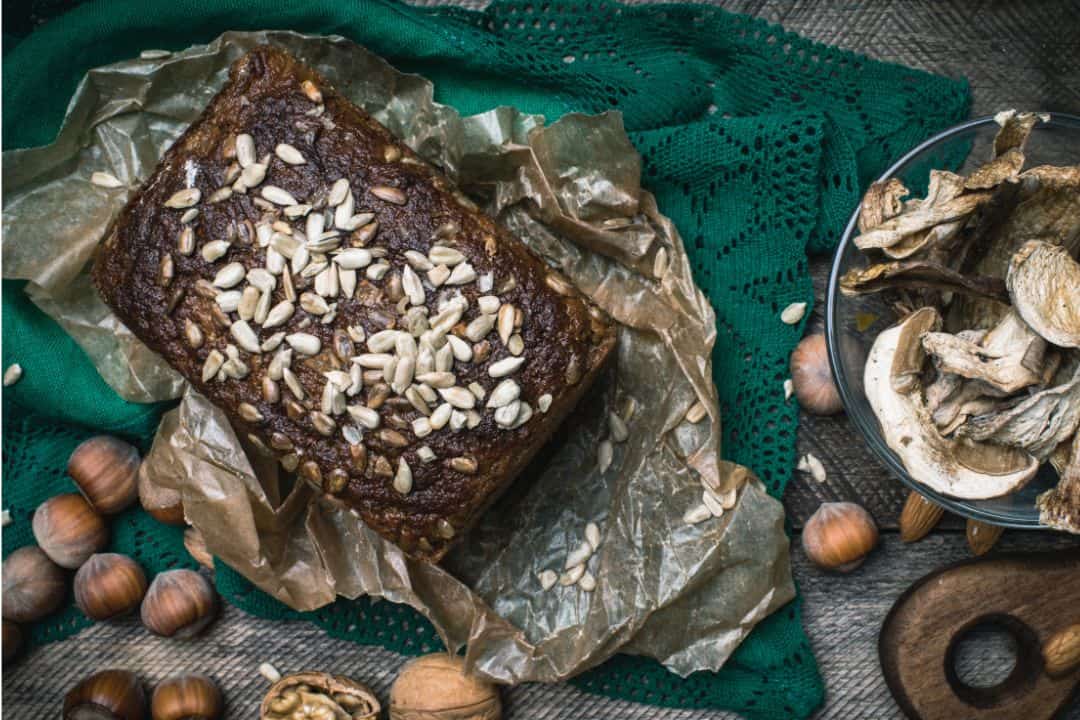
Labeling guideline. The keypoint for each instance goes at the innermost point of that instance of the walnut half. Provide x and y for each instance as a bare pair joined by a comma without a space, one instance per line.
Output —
318,696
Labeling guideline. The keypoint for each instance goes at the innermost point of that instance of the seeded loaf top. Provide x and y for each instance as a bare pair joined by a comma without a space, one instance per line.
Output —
347,307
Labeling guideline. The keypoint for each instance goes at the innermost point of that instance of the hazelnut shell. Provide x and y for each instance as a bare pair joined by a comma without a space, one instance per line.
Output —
69,530
436,686
179,603
34,585
189,697
12,640
283,697
109,585
104,469
839,535
113,694
812,378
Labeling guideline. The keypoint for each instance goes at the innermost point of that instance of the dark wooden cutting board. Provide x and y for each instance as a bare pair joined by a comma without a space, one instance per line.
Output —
1028,595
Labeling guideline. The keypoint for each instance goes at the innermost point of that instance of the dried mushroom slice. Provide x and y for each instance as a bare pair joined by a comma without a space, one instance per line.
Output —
1015,129
1003,167
908,361
1038,424
881,202
920,274
1010,358
943,187
1060,507
319,696
1044,285
919,219
956,468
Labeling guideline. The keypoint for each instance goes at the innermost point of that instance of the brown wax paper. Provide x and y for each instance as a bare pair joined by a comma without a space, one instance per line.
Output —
684,593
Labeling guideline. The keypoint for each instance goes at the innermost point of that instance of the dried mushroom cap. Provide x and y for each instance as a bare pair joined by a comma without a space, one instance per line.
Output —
943,186
1044,284
1015,129
909,358
1060,507
918,219
995,172
956,468
1038,424
924,274
1009,359
319,696
881,202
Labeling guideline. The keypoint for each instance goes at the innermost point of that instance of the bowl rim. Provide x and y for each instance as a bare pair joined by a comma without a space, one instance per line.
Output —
881,450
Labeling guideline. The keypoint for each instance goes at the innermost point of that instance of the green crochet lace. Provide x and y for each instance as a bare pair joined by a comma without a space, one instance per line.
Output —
756,143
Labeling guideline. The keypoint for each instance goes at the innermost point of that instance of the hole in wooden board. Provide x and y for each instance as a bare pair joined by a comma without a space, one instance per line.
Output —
992,659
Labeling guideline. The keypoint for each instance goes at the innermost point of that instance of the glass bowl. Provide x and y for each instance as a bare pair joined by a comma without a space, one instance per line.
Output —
965,146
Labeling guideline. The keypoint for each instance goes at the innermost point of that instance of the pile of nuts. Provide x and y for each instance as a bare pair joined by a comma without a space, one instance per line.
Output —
119,695
72,531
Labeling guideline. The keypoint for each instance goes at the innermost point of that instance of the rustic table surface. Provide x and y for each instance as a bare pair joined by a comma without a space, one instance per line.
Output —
1023,55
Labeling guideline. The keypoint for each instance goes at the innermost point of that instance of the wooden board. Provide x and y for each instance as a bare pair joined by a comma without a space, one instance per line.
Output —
1028,595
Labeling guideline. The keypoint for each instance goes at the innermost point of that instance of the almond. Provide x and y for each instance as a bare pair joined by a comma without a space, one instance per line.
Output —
982,536
918,517
1062,651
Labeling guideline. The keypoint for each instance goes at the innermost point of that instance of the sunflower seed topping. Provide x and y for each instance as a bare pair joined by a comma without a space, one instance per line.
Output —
506,415
304,343
418,261
280,361
604,455
338,191
293,383
353,258
441,416
459,397
245,150
323,423
189,215
461,275
412,285
229,276
249,413
425,454
462,464
479,327
619,431
403,478
212,364
289,154
314,304
185,198
572,576
696,514
504,393
793,313
443,255
506,366
547,579
421,427
364,416
245,337
696,413
277,195
166,270
544,402
270,391
228,301
389,194
377,271
311,90
488,304
506,322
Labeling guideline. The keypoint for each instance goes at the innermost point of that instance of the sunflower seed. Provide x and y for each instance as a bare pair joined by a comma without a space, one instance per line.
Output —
504,393
166,270
189,215
270,391
352,434
418,261
488,304
249,413
506,415
279,314
338,191
421,427
444,529
660,263
211,366
789,389
809,463
619,431
403,375
299,260
504,367
405,345
573,371
461,275
547,579
193,334
372,361
277,195
304,343
228,301
389,194
245,337
793,313
332,401
604,455
440,416
353,258
459,397
249,299
412,285
506,322
461,350
245,150
712,504
463,464
572,576
214,250
516,346
478,390
293,383
220,195
485,282
587,582
727,500
458,420
294,212
290,462
184,198
230,275
105,180
14,372
403,479
314,304
543,403
326,282
438,380
311,90
480,326
382,341
592,536
696,413
344,210
289,154
696,514
376,272
443,255
280,361
323,423
523,416
261,279
275,261
364,416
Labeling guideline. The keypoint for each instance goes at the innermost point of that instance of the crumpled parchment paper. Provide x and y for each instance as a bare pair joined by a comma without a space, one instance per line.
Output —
686,594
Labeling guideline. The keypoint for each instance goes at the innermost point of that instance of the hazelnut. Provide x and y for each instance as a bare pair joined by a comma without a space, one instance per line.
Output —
34,585
107,695
109,585
68,530
12,640
436,686
839,535
163,503
812,377
189,697
104,469
179,603
318,695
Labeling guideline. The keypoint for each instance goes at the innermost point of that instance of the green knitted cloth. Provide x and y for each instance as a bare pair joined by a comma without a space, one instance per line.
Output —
756,143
